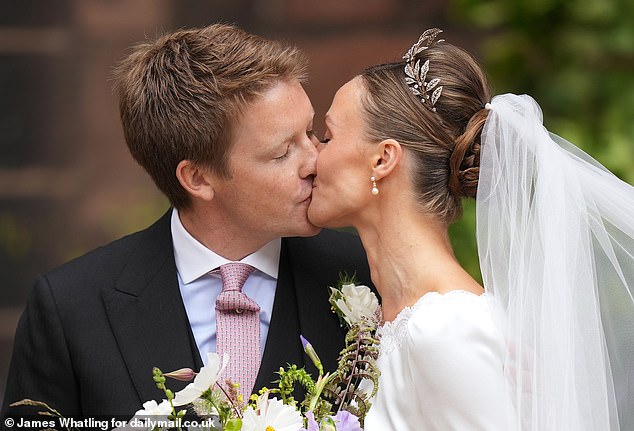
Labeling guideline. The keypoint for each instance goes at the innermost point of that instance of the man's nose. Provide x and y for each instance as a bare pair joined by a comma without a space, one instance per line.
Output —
309,166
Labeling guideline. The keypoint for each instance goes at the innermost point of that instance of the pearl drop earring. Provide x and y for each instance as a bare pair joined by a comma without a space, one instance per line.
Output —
375,189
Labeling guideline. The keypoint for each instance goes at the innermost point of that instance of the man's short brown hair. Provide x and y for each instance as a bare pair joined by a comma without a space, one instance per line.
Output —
180,96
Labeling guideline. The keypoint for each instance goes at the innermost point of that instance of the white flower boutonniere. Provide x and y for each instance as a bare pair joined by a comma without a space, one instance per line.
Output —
354,303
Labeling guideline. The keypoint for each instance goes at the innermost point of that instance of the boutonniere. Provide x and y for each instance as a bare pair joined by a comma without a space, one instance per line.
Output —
354,303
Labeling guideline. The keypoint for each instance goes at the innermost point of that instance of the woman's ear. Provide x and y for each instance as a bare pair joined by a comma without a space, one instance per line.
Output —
196,181
387,158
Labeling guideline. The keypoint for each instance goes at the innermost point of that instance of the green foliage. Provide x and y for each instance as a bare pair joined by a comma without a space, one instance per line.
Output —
341,390
233,425
463,239
214,403
356,363
288,378
159,381
576,58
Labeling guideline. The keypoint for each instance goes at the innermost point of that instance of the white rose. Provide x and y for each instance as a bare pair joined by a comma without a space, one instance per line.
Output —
356,303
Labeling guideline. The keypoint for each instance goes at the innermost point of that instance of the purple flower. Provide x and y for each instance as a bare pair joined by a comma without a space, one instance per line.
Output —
312,354
346,421
304,341
312,423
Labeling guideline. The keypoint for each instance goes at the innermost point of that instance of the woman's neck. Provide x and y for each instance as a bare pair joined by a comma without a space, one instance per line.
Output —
410,255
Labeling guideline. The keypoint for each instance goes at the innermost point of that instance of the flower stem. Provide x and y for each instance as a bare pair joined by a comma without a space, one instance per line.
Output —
235,408
319,387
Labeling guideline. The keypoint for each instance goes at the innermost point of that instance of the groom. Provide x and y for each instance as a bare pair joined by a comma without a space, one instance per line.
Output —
220,121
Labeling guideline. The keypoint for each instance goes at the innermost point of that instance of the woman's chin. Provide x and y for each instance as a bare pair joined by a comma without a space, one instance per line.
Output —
318,217
314,216
330,223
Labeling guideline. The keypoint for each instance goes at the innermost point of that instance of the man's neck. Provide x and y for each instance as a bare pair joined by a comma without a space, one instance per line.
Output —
215,235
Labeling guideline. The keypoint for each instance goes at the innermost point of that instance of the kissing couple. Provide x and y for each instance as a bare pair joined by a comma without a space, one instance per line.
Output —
240,263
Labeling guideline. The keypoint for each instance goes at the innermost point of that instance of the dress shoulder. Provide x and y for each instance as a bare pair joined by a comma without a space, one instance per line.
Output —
447,356
439,321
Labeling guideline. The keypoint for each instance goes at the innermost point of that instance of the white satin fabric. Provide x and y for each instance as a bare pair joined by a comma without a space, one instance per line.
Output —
441,365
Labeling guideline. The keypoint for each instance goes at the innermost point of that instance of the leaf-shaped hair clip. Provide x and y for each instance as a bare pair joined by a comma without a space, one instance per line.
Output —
416,75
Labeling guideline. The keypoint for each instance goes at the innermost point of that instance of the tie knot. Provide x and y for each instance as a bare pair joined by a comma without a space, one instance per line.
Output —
234,275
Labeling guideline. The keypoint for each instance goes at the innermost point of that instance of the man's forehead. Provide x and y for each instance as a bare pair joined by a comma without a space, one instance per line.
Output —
281,107
267,128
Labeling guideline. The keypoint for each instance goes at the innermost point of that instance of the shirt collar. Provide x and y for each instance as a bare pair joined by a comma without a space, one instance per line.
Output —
193,259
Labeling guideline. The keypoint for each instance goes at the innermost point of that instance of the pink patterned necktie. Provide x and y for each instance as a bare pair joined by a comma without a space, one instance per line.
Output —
238,328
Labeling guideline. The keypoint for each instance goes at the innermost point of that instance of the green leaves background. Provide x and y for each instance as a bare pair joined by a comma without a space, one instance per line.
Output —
576,58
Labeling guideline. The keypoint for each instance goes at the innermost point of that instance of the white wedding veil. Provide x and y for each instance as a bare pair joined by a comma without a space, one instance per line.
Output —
555,236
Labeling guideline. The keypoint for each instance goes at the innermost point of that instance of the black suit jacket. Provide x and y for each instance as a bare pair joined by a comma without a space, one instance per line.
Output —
94,328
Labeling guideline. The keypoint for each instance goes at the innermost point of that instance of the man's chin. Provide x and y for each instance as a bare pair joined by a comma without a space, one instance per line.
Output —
302,229
314,231
311,229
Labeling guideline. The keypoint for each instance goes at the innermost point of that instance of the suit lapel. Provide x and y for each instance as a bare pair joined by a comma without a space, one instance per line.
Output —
301,307
316,320
282,343
149,321
147,315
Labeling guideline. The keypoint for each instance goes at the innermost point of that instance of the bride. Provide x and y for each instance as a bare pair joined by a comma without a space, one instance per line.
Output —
546,344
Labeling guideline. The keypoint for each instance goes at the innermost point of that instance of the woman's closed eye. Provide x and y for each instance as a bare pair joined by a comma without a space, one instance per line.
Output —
327,137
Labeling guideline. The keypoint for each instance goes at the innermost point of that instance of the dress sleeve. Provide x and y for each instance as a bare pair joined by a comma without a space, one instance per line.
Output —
455,358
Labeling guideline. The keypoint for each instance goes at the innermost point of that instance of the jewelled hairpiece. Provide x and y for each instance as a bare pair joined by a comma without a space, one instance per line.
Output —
415,74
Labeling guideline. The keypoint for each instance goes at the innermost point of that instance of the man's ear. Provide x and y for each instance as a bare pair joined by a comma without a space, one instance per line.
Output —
196,181
387,157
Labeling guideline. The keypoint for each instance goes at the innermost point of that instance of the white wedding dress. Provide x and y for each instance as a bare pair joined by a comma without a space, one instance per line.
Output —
441,364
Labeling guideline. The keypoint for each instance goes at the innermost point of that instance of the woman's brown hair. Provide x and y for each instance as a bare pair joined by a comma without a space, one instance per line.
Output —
445,143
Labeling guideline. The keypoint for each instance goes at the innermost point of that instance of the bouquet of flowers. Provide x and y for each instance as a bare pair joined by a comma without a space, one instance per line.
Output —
336,401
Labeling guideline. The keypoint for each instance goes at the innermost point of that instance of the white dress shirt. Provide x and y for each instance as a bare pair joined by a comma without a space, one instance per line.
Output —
199,288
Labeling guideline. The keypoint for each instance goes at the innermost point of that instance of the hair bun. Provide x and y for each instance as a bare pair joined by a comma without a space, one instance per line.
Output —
465,159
